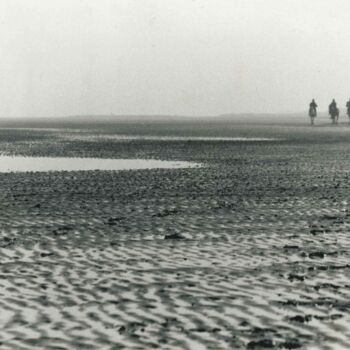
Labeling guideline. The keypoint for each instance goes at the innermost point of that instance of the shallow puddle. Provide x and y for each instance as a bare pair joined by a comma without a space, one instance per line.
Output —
125,138
10,164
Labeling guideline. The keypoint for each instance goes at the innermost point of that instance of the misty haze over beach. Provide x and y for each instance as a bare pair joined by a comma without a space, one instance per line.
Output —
165,57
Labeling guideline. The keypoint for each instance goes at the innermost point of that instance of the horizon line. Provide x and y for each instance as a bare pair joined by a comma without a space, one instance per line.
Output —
164,115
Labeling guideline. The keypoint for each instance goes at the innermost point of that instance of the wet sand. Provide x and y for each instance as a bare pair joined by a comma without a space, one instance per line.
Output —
249,252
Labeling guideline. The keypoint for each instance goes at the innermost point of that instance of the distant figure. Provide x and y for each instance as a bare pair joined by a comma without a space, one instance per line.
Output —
348,109
313,111
334,111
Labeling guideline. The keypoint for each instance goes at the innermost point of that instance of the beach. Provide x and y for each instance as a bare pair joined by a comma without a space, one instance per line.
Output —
247,250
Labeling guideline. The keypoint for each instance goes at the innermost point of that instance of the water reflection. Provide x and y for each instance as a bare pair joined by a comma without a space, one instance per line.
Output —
39,164
125,138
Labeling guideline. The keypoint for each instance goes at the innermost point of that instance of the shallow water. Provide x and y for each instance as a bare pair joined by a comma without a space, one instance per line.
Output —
10,164
121,138
86,135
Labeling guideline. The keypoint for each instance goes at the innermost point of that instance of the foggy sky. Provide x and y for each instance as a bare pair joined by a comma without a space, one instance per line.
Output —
179,57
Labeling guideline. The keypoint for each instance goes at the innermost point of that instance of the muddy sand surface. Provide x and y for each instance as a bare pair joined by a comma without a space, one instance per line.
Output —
250,251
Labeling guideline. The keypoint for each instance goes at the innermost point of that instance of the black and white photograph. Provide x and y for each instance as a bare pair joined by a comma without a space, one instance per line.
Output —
174,174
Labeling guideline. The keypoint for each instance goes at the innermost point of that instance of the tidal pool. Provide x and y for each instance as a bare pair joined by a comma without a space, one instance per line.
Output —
126,138
10,164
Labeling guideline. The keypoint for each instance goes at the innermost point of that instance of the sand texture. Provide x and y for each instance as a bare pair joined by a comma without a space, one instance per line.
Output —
250,251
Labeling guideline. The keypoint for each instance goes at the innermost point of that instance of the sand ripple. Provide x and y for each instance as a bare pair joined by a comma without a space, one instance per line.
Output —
251,252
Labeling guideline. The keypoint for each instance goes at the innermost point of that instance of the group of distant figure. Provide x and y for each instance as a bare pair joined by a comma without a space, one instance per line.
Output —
333,111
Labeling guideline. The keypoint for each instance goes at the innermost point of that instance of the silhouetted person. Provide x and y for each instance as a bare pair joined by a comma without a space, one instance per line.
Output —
313,104
333,111
332,107
348,109
313,111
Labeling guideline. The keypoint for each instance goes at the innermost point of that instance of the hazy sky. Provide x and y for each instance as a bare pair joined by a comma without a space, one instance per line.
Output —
184,57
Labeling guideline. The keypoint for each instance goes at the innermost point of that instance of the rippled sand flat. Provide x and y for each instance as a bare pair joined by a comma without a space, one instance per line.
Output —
249,252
